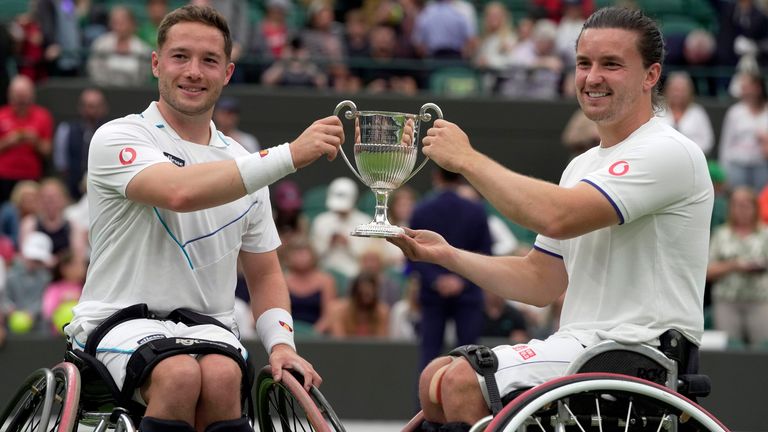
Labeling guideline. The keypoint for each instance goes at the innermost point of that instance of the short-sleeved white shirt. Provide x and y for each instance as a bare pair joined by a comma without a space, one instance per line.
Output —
146,254
633,281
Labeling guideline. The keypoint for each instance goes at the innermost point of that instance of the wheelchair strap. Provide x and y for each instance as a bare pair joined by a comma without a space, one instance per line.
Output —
143,360
485,363
136,311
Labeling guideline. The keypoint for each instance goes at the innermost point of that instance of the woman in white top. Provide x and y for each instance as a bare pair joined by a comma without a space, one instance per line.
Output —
497,41
685,115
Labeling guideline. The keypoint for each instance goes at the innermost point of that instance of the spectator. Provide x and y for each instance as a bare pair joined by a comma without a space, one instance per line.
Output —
444,295
73,138
324,39
29,42
295,69
405,315
502,320
743,29
64,291
60,22
539,66
147,30
382,76
737,268
119,57
312,290
503,240
580,134
292,224
497,41
272,35
29,274
373,262
24,201
226,117
740,152
442,31
361,314
51,221
568,30
684,114
25,136
356,43
329,232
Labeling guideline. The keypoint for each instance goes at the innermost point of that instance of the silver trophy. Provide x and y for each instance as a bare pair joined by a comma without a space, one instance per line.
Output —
386,149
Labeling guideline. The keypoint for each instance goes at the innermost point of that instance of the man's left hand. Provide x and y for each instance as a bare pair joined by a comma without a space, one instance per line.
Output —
284,357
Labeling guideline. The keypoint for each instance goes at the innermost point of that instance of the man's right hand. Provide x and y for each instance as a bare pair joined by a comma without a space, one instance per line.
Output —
323,137
423,245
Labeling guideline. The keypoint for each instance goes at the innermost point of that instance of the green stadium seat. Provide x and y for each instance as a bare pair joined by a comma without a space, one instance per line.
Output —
455,81
313,201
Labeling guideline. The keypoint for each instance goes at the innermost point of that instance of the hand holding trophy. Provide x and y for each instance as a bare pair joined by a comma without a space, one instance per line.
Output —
386,149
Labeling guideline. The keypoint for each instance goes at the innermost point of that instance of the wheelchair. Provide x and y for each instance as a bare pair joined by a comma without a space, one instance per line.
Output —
609,387
79,394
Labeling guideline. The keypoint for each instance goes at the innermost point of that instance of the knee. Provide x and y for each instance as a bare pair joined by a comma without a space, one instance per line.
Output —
221,374
179,375
459,378
428,375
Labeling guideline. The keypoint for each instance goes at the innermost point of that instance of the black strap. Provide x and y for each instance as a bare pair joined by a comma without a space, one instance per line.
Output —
136,311
485,363
191,318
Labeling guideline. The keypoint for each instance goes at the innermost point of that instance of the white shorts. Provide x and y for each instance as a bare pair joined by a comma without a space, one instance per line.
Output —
528,365
117,346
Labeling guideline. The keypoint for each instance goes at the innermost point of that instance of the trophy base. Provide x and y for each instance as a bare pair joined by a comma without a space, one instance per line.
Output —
377,230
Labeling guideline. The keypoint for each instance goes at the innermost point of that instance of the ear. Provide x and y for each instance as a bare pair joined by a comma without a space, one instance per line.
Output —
230,71
652,76
155,60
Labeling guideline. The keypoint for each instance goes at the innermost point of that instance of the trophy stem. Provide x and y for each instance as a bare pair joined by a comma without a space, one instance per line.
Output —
380,213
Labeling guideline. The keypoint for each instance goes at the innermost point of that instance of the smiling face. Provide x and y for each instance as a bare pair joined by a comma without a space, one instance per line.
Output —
612,84
191,67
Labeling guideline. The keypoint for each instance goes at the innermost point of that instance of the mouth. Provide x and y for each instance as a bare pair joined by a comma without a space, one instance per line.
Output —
593,94
191,89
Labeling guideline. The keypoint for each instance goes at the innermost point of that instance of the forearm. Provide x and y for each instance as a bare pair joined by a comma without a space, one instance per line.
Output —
270,292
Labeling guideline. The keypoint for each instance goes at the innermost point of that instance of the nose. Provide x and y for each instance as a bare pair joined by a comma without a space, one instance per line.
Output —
193,70
593,76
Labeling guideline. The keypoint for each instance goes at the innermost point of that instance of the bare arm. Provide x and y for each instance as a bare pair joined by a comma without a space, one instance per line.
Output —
536,278
541,206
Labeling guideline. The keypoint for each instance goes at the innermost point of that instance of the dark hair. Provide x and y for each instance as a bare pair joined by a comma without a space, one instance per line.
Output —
650,43
196,14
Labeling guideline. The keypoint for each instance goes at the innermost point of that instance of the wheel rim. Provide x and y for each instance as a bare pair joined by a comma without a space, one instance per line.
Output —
29,410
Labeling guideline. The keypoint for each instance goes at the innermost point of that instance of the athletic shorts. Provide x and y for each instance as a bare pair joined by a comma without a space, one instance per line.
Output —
118,344
528,365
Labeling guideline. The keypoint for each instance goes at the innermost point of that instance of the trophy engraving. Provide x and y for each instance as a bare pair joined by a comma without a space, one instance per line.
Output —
385,150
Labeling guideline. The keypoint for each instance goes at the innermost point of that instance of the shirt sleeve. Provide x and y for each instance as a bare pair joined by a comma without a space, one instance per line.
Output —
646,178
120,150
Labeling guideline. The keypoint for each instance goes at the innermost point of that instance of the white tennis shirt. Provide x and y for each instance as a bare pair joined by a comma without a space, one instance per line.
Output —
633,281
145,254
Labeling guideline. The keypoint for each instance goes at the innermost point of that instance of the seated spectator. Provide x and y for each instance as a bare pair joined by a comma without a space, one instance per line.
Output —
62,23
272,34
312,290
382,75
502,320
538,66
292,224
119,57
63,292
405,315
29,46
373,263
568,30
324,40
295,69
497,42
73,139
442,31
226,117
147,30
738,271
684,114
28,276
580,134
329,232
361,314
26,130
24,201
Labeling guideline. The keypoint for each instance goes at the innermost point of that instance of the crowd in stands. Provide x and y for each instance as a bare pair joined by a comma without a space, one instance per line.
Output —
514,48
344,286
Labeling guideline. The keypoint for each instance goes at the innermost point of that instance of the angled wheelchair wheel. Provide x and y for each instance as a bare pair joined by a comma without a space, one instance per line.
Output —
603,402
47,401
286,407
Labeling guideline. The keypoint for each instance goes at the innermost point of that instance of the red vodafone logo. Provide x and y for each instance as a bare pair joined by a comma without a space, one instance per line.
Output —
619,168
127,156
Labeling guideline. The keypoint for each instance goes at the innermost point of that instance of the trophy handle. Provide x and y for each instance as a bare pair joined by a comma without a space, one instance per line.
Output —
425,116
349,115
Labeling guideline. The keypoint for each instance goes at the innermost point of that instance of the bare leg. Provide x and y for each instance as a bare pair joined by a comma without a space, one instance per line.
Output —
173,388
433,411
461,395
220,394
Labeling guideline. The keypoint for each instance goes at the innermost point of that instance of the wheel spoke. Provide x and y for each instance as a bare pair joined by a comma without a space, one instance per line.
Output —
599,416
661,423
567,408
629,413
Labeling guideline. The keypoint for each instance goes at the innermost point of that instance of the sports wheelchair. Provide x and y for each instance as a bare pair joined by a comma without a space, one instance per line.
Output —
611,387
79,394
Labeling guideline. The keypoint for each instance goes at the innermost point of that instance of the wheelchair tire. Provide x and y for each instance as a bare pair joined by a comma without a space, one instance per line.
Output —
605,402
47,401
286,406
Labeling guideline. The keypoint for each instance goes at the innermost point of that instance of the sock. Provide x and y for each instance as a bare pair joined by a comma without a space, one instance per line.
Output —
428,426
152,424
455,427
236,425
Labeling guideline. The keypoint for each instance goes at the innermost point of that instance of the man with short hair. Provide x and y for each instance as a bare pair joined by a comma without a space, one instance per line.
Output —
175,205
624,235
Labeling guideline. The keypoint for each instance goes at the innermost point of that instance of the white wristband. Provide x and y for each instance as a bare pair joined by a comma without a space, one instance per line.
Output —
275,326
265,167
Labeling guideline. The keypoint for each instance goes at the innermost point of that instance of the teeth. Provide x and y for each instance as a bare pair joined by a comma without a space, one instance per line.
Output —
593,94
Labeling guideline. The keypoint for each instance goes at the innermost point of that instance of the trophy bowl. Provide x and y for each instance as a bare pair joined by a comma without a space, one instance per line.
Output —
386,150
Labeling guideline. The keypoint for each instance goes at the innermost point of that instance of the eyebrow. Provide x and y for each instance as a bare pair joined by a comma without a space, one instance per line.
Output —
184,50
608,58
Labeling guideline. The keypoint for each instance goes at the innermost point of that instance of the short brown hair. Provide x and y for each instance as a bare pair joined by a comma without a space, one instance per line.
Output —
196,14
